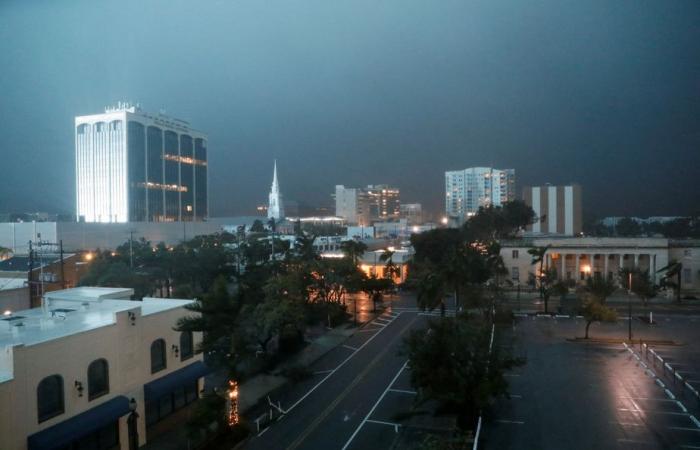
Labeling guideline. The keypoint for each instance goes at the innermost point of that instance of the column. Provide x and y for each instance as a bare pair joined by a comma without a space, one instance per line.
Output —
562,273
636,261
621,261
577,275
605,266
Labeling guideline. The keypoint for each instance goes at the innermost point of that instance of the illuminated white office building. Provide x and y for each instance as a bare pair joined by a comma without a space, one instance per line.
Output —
133,166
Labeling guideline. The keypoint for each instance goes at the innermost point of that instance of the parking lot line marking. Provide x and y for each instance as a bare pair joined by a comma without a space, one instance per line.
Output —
365,330
403,391
629,424
321,372
633,441
354,349
684,429
689,446
516,396
653,412
658,399
514,422
512,375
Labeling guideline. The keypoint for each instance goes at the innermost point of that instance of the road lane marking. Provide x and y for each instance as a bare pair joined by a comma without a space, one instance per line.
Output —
294,405
321,417
647,411
403,391
371,411
380,422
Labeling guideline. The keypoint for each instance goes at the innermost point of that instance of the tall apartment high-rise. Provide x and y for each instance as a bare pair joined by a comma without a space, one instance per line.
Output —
362,206
133,166
558,209
466,190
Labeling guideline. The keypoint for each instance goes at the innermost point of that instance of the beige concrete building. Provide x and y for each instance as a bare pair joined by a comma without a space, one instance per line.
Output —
557,207
73,371
579,258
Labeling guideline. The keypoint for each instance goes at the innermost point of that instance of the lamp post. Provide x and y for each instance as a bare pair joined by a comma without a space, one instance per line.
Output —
132,424
629,306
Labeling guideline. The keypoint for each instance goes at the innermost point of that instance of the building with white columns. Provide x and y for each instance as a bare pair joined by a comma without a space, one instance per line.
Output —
579,258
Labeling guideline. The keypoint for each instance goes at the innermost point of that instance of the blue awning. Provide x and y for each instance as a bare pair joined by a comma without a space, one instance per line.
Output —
167,384
62,434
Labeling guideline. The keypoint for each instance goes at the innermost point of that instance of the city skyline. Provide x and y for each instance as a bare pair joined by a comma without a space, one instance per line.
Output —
436,91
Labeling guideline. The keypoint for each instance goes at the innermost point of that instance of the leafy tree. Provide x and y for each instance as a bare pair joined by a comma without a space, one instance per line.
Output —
499,222
374,287
257,226
594,311
627,227
597,290
642,284
431,291
217,317
276,315
451,363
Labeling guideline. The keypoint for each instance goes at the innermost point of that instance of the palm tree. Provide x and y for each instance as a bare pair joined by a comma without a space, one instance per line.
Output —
305,247
353,249
673,269
538,257
391,270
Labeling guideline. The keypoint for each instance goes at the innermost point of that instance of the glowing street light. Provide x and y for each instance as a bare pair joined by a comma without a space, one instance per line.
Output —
232,401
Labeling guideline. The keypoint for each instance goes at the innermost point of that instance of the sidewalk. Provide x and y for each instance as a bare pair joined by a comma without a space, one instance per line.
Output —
259,386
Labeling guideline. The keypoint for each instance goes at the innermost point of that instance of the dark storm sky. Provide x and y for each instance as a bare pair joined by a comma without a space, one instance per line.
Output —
605,93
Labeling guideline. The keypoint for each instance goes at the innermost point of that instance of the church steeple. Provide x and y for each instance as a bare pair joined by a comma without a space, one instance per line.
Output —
275,209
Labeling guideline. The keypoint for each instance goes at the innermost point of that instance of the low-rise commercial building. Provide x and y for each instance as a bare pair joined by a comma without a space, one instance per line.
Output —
90,369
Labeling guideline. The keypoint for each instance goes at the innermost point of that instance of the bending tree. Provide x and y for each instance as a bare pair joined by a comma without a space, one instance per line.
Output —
538,257
597,290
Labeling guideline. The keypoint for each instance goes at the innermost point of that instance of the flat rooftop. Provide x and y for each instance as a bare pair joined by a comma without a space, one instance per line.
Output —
69,312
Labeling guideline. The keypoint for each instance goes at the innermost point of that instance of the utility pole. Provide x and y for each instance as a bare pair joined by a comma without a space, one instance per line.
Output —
30,275
131,250
63,269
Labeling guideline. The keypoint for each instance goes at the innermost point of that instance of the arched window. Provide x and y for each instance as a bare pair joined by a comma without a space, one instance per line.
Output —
157,355
49,395
186,345
98,378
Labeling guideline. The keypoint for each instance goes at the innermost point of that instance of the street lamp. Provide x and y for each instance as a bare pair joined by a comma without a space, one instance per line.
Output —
629,306
132,424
